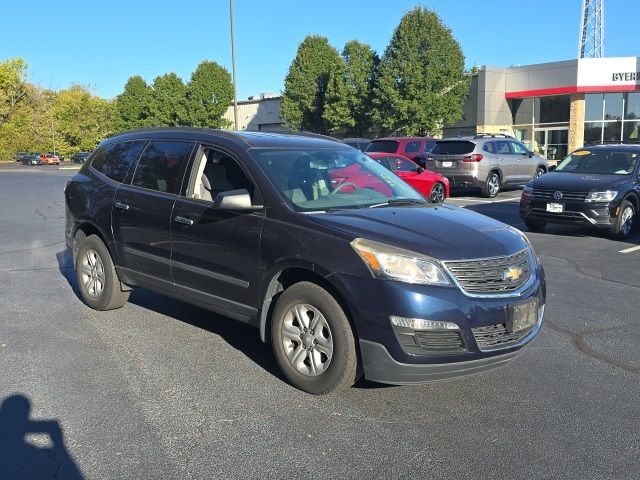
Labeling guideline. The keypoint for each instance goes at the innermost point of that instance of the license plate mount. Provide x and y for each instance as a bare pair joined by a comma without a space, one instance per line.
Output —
522,316
555,207
447,164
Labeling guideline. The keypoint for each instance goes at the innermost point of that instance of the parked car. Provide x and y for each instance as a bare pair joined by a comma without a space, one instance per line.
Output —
486,161
414,148
597,186
49,159
80,157
59,155
18,156
340,280
359,143
30,159
430,184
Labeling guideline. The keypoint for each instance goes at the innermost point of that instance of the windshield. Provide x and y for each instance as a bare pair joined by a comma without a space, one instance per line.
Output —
327,179
606,162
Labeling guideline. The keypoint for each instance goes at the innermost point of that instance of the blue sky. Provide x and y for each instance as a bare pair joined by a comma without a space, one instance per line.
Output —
101,44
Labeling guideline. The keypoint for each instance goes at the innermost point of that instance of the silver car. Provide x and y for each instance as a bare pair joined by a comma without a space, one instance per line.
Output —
488,162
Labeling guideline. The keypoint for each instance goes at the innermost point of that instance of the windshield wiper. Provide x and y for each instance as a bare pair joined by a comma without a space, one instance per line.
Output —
399,202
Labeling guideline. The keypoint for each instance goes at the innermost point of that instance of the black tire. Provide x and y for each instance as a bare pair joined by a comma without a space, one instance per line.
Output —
110,295
535,225
342,370
491,185
438,193
539,172
624,221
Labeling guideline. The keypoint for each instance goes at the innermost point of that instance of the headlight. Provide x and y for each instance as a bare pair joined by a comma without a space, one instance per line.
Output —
394,263
601,196
527,189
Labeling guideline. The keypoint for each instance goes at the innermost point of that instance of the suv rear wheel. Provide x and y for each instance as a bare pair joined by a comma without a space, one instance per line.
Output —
312,340
623,224
96,276
491,186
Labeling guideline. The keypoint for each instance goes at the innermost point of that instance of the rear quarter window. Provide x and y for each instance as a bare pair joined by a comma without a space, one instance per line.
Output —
114,161
384,146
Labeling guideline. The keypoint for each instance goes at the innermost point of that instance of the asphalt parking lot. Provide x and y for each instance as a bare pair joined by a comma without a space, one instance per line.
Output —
162,389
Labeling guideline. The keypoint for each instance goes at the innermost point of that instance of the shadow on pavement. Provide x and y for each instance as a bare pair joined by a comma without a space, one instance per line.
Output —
32,449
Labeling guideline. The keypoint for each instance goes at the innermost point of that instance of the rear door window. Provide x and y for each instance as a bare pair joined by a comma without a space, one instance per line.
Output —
162,165
114,161
453,147
489,147
412,147
502,147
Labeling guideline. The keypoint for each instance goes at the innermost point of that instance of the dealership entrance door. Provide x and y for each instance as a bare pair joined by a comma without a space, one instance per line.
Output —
552,142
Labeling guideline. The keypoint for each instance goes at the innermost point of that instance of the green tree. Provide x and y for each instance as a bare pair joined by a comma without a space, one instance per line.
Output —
208,95
349,102
167,107
13,85
306,83
81,119
422,84
132,107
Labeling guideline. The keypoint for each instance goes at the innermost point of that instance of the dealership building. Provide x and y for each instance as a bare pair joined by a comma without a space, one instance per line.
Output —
556,107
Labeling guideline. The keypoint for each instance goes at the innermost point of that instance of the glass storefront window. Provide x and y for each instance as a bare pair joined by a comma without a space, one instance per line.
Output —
632,106
592,132
554,109
612,131
631,131
521,110
593,107
613,106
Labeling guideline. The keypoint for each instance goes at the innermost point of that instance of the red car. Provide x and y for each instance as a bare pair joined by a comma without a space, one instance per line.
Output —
49,159
413,148
430,184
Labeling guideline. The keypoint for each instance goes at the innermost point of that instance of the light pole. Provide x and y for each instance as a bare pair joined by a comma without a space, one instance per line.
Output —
233,67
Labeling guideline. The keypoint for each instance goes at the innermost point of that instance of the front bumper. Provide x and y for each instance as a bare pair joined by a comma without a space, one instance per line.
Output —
380,366
398,355
596,214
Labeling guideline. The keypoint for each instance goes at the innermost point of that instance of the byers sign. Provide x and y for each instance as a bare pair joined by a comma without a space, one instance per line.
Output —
616,74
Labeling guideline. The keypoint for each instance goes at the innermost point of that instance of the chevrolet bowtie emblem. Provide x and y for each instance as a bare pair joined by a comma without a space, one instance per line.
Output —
512,274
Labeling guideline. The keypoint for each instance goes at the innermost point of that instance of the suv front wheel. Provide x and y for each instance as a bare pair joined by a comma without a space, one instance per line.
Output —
491,186
312,340
96,276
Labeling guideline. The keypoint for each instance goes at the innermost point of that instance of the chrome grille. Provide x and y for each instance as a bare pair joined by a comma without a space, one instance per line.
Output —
489,275
549,195
497,336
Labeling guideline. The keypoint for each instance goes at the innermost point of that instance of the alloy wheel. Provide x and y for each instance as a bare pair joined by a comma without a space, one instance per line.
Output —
626,220
494,185
92,273
307,340
437,193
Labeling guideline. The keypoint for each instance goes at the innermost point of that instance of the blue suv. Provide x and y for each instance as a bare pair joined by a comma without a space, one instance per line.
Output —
272,230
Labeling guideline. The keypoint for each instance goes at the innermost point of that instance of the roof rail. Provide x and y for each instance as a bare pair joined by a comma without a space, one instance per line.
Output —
485,135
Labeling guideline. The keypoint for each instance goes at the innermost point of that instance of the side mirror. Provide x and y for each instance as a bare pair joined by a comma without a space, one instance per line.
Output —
420,169
235,200
422,161
552,168
530,154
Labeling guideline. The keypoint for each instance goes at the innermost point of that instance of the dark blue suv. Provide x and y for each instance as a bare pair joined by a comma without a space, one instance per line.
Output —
272,230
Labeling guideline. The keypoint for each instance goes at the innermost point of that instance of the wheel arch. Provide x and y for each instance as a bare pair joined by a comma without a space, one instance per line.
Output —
633,198
89,228
283,277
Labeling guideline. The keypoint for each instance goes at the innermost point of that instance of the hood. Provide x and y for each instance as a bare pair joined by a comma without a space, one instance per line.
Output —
443,232
579,182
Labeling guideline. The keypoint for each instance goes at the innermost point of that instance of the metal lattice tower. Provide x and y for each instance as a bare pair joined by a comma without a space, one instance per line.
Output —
591,41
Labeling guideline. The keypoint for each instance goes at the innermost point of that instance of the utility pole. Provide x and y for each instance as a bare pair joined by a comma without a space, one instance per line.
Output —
233,67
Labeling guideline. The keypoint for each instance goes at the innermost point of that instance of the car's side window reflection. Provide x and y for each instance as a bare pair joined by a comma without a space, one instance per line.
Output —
161,166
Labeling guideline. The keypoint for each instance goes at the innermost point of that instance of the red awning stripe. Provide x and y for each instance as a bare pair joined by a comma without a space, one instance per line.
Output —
541,92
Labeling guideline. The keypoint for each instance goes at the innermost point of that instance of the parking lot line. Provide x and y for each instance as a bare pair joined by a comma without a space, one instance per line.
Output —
629,250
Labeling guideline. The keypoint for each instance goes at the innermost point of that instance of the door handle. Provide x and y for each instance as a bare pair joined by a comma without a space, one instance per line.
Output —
121,206
183,220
